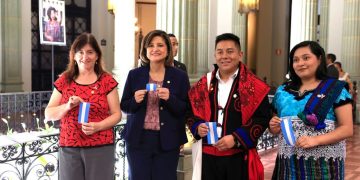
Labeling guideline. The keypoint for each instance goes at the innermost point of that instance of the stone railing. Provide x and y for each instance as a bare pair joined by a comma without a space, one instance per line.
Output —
17,108
35,155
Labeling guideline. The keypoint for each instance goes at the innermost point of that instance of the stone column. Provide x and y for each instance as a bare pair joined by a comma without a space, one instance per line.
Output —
240,27
351,39
324,23
10,43
184,168
310,19
168,19
202,40
124,61
180,18
188,36
303,21
350,54
168,16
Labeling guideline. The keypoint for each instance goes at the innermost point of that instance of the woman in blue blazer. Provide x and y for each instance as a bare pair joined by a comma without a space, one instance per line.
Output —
155,101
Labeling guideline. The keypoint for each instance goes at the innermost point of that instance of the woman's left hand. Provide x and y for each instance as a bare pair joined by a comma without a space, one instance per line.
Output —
306,142
163,93
90,128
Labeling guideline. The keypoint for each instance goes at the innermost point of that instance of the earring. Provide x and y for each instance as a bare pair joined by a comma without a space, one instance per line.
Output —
95,62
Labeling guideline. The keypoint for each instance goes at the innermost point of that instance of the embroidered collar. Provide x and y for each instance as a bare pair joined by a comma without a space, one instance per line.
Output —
298,94
252,90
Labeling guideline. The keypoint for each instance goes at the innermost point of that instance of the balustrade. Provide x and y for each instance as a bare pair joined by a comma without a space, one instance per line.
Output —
34,154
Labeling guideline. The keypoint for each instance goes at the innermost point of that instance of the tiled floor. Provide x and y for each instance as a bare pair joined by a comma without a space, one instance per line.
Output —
352,162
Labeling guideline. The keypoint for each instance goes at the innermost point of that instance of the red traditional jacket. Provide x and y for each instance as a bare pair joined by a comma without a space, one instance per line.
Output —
252,92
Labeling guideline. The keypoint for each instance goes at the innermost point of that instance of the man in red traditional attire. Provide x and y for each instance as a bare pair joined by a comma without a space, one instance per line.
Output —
237,101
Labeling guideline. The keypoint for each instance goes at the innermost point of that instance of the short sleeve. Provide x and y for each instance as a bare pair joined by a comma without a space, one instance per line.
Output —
344,98
109,83
275,101
59,84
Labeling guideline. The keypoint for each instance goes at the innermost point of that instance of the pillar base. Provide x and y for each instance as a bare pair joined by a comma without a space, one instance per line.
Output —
184,169
14,87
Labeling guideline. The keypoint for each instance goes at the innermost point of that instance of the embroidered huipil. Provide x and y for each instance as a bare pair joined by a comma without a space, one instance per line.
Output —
321,162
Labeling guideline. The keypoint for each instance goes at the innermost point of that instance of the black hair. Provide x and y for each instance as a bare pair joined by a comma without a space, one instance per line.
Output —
171,35
332,57
338,63
49,11
321,70
228,36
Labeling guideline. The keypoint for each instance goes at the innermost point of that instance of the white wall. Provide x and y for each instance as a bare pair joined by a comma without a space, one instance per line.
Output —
220,21
296,23
212,31
335,27
224,16
124,41
102,27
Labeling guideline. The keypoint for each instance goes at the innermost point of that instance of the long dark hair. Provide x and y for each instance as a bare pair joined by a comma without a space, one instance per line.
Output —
321,70
49,12
146,42
72,70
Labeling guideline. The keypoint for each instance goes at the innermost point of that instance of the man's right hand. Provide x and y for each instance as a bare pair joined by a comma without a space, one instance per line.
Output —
202,130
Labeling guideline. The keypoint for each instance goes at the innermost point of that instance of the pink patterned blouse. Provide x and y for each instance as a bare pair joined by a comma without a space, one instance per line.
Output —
152,118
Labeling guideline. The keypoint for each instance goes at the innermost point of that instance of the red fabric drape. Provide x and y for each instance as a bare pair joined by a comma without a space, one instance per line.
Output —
252,91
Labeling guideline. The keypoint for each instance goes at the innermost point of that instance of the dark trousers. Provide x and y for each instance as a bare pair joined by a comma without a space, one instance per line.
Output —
149,161
224,167
87,163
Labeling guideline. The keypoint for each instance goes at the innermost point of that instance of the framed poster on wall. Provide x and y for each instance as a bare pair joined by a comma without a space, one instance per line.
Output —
52,22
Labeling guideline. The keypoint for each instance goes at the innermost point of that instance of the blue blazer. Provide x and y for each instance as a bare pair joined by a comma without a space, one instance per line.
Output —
172,112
